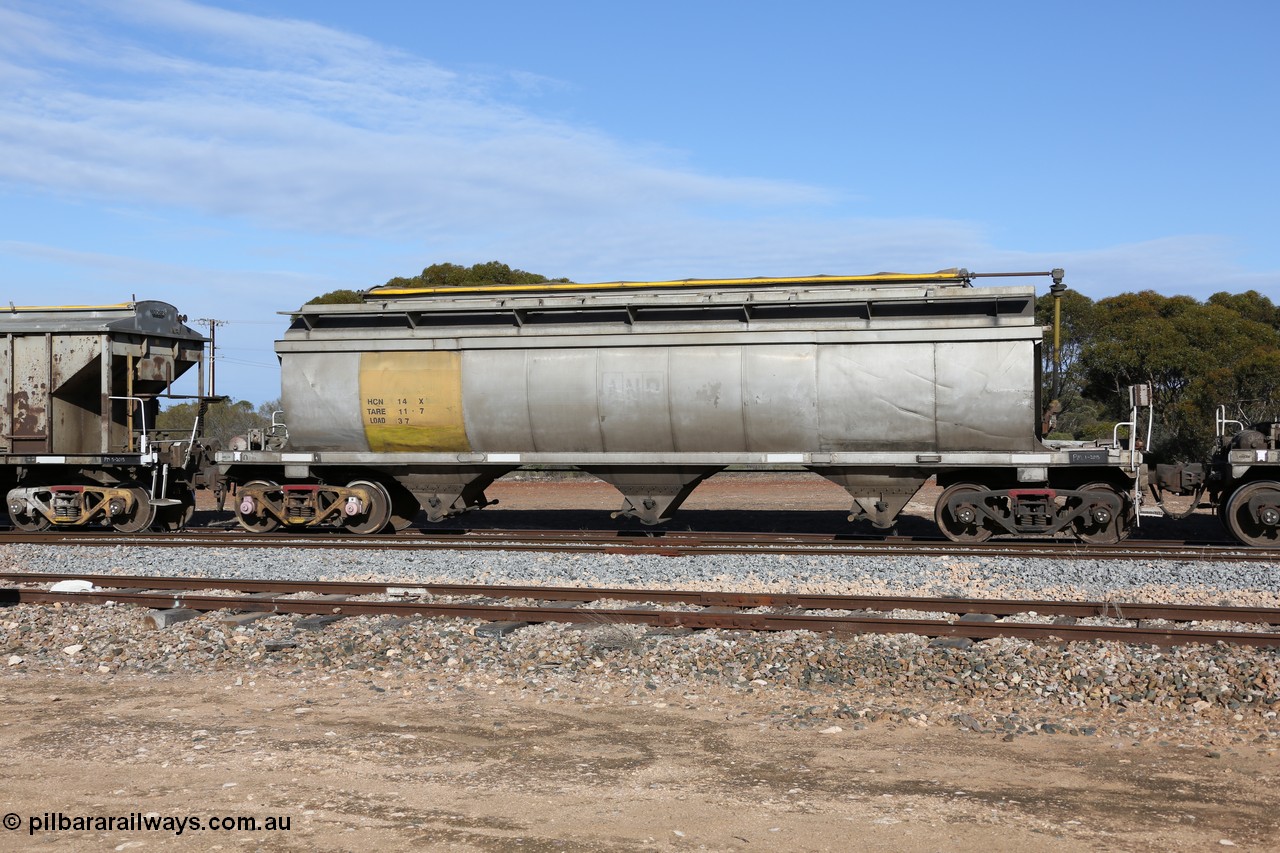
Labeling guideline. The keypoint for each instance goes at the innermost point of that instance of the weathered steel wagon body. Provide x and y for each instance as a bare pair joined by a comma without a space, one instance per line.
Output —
79,389
424,397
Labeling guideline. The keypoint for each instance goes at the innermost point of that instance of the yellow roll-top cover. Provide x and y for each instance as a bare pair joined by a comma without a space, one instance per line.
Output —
51,308
951,276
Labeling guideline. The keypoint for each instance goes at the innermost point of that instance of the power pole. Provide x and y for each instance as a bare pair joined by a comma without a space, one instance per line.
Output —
212,326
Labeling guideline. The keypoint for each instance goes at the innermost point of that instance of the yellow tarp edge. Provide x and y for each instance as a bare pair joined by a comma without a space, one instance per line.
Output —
12,308
688,282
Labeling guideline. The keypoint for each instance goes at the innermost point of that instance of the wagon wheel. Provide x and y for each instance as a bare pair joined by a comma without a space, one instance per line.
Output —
142,516
965,525
250,512
1257,525
377,512
33,523
1102,527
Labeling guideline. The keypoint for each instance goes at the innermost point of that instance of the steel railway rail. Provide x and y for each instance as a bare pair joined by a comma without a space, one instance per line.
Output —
662,543
721,610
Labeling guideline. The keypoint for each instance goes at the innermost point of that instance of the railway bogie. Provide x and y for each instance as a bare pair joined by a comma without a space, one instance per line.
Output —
361,506
1101,512
124,507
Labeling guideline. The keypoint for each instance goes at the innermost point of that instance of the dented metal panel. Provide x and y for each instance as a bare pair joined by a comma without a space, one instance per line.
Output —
986,396
564,411
634,405
878,397
321,393
495,396
780,397
706,399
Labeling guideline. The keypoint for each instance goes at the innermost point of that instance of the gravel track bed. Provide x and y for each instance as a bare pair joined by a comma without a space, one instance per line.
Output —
1220,695
1256,584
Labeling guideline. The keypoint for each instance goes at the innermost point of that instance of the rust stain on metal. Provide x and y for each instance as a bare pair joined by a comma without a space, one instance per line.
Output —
28,419
155,368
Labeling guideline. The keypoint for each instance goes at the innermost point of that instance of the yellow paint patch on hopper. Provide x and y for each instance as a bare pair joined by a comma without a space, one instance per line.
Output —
412,401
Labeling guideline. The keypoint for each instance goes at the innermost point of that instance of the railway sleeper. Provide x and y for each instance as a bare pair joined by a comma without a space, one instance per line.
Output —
499,629
159,619
317,622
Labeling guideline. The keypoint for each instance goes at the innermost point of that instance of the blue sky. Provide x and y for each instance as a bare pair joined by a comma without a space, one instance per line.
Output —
237,158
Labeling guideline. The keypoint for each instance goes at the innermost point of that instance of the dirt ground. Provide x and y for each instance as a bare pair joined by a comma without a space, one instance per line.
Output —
399,764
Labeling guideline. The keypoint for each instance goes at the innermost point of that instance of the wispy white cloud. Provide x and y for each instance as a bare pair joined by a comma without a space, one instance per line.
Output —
298,126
